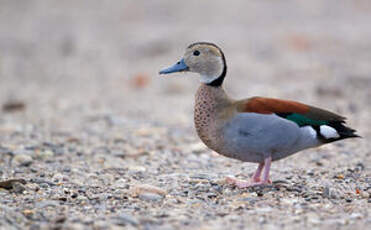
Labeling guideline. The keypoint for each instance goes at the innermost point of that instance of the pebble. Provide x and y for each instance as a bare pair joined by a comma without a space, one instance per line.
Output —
331,193
74,226
58,151
44,185
58,177
198,147
146,188
125,219
47,203
81,199
364,194
136,169
200,188
313,218
150,197
28,212
356,215
44,154
18,187
10,183
121,183
22,160
67,169
3,192
202,176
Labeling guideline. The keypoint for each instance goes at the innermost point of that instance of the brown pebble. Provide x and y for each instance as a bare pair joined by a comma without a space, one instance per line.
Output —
8,184
146,188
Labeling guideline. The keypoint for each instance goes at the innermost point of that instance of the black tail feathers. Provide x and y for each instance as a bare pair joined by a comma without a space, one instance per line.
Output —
343,131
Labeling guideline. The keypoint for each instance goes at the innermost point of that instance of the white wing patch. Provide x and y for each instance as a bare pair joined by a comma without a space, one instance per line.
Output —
311,131
328,132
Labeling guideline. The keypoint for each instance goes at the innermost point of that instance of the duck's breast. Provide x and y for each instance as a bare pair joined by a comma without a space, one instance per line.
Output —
211,107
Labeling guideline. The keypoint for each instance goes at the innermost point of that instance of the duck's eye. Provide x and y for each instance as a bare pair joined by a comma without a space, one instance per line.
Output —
196,52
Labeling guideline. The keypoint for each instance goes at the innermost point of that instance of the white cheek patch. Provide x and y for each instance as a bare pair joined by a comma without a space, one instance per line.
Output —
207,79
328,132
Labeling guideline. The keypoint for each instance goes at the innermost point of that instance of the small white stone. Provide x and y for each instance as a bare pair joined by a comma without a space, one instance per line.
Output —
356,216
23,159
43,155
198,147
146,188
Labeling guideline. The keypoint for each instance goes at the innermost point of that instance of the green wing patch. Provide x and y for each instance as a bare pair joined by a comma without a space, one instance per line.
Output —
301,120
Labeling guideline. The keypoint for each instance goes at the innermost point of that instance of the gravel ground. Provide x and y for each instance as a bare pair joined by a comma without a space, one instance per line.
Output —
92,138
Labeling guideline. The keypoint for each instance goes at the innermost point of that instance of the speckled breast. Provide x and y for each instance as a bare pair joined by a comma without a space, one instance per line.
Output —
205,117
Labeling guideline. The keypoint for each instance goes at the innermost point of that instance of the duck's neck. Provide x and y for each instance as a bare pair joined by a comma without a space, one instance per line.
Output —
209,94
217,82
210,100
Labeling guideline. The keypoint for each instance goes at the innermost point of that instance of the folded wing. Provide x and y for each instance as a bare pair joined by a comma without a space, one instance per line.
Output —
329,126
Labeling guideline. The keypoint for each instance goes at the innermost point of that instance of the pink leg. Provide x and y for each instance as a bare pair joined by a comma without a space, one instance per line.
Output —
267,162
256,178
267,167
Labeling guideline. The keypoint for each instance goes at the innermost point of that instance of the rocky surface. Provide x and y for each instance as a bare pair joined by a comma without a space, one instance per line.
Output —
92,138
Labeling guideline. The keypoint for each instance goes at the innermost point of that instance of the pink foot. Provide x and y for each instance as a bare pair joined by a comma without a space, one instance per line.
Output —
258,180
238,183
245,184
255,179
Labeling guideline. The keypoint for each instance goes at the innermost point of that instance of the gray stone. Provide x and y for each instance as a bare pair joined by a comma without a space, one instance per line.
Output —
47,203
125,219
18,187
150,197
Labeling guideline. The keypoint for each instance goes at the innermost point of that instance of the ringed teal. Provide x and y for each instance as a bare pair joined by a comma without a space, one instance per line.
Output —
257,129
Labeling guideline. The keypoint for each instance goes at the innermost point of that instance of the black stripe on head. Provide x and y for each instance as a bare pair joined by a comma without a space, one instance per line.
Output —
218,81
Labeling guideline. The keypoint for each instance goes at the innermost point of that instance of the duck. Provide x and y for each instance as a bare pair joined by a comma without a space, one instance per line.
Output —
257,129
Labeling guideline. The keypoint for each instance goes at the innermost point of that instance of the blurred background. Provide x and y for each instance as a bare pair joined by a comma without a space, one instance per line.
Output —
85,117
62,58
